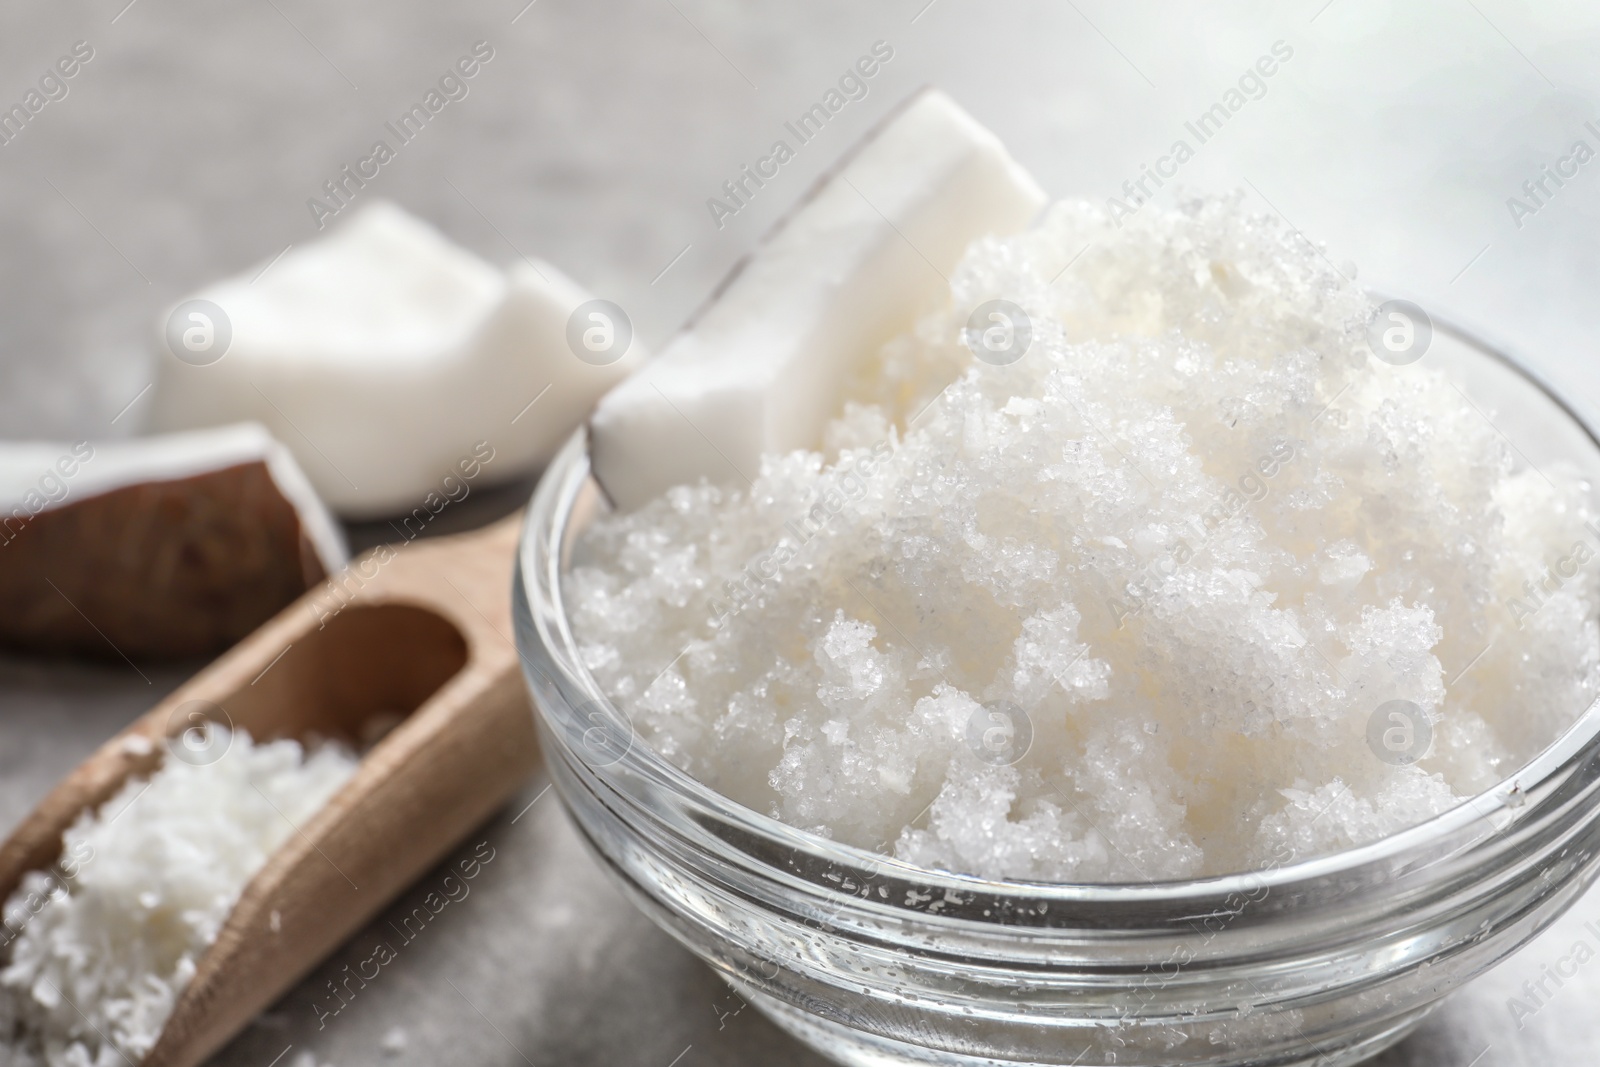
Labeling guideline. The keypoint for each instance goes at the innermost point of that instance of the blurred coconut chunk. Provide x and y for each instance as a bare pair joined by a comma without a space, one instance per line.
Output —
762,367
380,354
168,546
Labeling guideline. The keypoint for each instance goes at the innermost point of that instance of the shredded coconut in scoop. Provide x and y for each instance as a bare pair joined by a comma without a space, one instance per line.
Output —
102,945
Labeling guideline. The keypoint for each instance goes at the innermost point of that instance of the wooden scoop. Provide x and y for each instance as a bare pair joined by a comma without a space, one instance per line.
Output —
421,630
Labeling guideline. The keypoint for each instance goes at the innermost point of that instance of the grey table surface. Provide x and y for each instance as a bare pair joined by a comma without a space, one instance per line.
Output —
188,147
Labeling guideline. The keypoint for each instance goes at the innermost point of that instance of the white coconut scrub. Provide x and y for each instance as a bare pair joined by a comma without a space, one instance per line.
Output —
97,958
1193,585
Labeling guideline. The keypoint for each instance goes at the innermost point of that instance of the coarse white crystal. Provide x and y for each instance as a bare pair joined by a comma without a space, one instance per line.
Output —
1128,607
395,1041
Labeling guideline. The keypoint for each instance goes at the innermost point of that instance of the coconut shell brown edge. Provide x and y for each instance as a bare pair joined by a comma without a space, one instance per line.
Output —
157,570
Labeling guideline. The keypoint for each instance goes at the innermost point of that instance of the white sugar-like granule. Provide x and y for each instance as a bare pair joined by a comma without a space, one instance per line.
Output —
395,1041
1138,605
100,956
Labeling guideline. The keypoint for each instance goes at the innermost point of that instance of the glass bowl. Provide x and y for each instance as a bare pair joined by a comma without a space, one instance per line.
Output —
873,961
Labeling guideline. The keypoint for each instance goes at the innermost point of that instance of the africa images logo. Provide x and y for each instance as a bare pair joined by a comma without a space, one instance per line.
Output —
342,189
852,86
1251,85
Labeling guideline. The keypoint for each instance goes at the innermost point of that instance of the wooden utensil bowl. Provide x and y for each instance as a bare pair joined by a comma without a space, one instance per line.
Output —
367,661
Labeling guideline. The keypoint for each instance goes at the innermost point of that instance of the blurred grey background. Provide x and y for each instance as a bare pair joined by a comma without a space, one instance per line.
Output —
188,146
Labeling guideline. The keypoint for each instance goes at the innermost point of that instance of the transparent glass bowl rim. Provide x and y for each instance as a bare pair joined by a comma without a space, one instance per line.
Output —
538,576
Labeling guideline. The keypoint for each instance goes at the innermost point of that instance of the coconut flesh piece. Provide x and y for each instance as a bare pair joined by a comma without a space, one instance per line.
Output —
761,369
382,352
166,546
